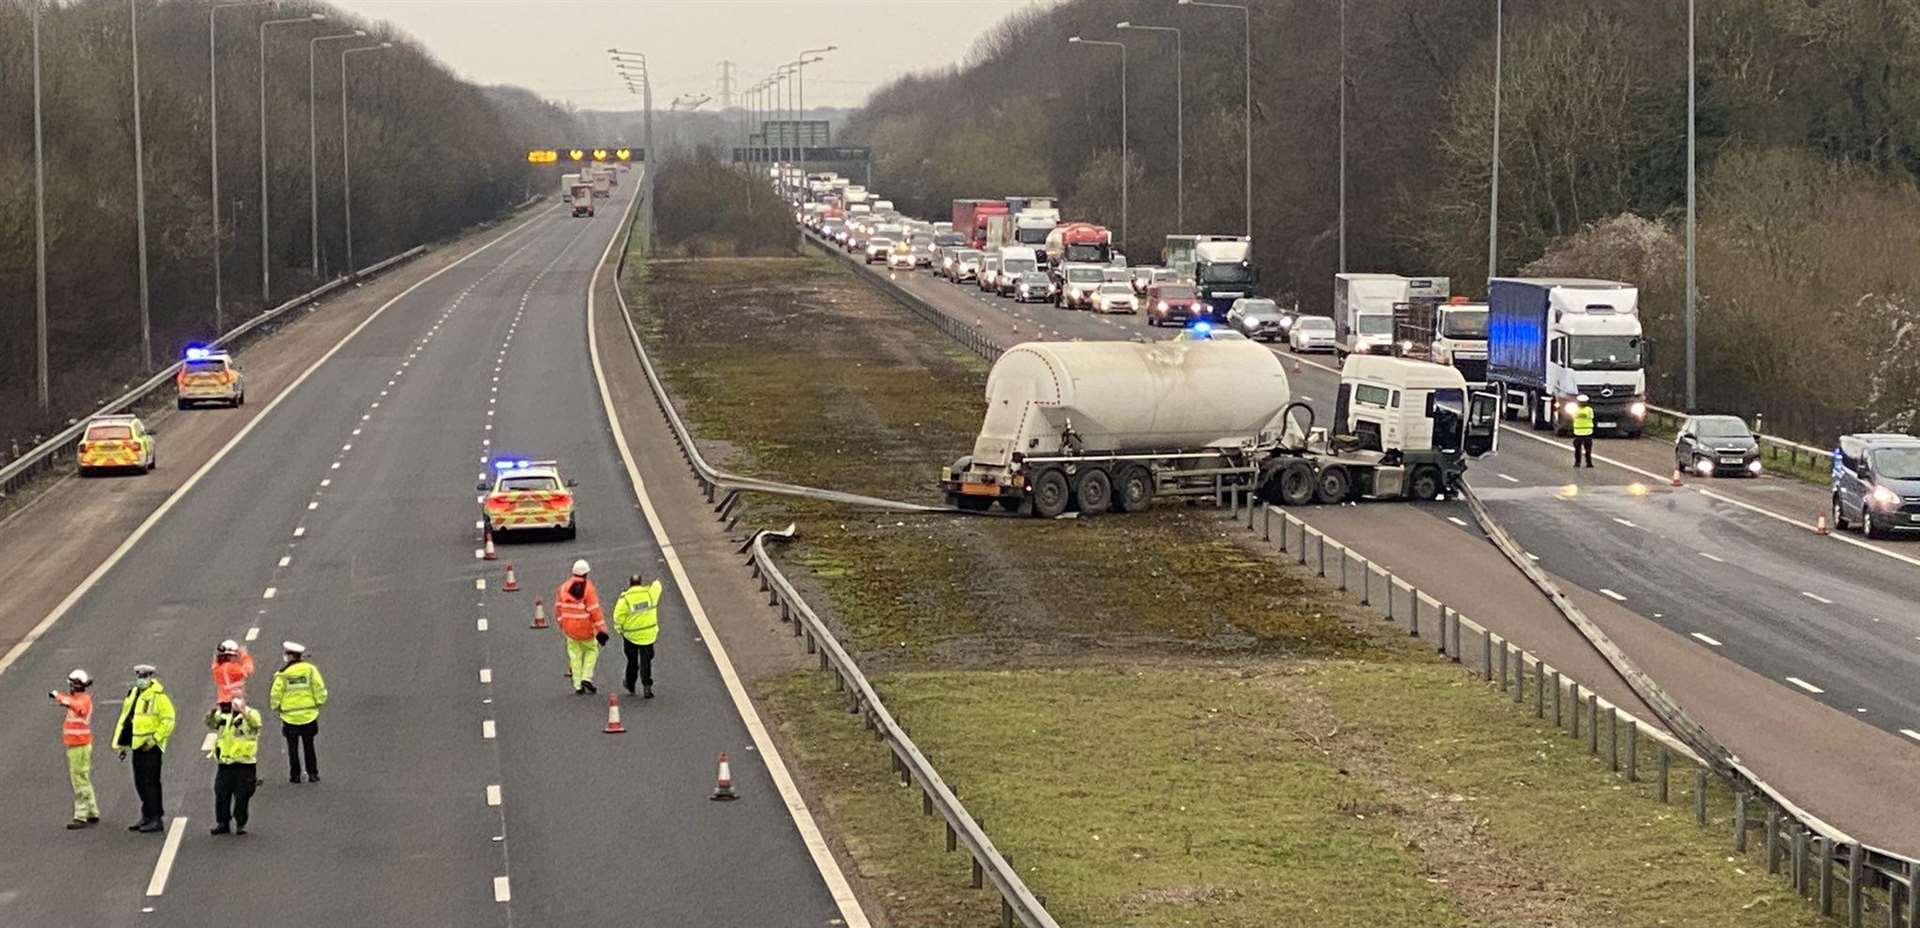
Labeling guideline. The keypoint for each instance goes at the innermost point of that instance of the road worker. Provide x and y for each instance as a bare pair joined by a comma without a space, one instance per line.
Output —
1582,431
76,732
236,751
232,665
576,605
145,724
636,616
298,693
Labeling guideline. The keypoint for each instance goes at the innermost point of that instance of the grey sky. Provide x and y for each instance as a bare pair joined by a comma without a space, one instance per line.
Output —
557,47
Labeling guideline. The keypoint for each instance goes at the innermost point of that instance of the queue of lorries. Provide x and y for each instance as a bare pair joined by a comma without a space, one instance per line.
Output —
1426,375
593,182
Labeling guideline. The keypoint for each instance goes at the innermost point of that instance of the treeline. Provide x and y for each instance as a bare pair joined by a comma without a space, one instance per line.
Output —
705,207
430,155
1809,140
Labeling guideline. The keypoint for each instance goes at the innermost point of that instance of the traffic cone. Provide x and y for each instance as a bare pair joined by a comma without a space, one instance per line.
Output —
723,787
513,583
1676,476
539,615
1821,527
613,716
490,556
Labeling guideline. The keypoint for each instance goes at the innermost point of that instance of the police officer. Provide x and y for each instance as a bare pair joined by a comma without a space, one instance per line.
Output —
1582,431
76,732
236,749
298,693
145,724
636,616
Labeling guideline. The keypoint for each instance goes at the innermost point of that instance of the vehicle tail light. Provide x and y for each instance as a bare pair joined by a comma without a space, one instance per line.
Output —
181,378
86,446
499,503
561,501
226,376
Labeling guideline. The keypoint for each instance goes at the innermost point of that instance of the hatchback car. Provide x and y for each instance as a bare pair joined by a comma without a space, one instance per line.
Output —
1115,297
1033,287
1310,333
1876,483
119,442
1714,446
1259,319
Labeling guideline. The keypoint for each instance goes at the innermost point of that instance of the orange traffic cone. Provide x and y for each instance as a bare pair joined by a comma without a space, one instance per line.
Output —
1821,527
539,615
613,716
490,556
1676,476
513,583
723,787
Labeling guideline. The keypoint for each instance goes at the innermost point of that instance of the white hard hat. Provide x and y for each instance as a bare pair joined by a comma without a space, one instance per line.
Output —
81,677
144,670
229,646
293,647
580,567
1581,398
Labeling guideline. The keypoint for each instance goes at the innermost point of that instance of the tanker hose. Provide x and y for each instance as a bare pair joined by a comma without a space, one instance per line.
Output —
1286,415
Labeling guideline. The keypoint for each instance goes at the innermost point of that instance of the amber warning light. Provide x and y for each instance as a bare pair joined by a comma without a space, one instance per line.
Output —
552,155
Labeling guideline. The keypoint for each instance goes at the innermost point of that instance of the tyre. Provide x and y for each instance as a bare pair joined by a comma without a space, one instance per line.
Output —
1332,486
572,530
1425,483
1050,493
1133,490
1870,526
1094,490
1296,484
153,464
1839,515
185,404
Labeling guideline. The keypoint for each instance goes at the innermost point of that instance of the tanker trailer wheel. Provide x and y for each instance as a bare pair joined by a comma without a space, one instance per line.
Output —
1425,483
1050,493
1094,490
1295,483
1134,490
1333,485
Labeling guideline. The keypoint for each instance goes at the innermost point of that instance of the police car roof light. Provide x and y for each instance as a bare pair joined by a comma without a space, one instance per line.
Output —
198,353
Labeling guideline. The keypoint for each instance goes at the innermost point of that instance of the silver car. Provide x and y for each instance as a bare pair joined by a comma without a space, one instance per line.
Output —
1259,319
1310,333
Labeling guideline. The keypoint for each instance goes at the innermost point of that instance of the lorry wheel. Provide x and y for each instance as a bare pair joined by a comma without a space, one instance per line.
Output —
1134,490
1333,486
1296,484
1094,490
1050,493
1425,483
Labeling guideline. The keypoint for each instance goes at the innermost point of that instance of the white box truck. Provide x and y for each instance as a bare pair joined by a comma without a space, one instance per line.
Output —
1363,312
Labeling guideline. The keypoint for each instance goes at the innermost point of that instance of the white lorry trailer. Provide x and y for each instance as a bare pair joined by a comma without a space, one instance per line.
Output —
1551,341
1102,426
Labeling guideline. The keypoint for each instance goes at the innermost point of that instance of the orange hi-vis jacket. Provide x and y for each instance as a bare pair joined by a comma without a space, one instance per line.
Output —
230,677
78,727
581,618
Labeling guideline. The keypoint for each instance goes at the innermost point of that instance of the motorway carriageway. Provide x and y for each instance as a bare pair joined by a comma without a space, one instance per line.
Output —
1730,569
465,784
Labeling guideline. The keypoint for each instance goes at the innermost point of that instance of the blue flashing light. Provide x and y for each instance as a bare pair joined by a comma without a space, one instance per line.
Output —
1203,328
509,465
198,353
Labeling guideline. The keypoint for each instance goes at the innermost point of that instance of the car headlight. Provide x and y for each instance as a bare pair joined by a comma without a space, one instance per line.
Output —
1883,498
1705,467
1754,467
1164,307
1638,409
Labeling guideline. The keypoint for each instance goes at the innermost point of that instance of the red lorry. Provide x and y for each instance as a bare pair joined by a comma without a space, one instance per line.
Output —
970,218
1079,243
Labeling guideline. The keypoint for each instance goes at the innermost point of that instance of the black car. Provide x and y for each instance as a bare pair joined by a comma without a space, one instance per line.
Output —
1876,483
1715,446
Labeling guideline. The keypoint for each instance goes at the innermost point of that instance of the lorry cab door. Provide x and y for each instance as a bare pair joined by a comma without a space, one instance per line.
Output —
1483,424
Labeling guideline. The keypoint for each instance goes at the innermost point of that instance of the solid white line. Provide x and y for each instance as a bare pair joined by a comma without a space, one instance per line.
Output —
1796,681
1615,596
486,729
1712,558
1708,639
493,794
486,675
501,893
851,914
163,867
1457,521
1624,522
1915,735
1816,597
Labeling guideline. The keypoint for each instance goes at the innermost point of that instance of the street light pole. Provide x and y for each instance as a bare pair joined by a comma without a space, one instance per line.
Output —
1692,288
213,148
1126,166
1247,36
1343,137
140,188
817,54
346,162
39,229
313,150
266,255
1179,120
1493,203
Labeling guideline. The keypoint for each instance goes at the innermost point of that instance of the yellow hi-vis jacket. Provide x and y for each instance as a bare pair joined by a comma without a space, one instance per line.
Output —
237,735
298,693
637,615
1583,420
152,712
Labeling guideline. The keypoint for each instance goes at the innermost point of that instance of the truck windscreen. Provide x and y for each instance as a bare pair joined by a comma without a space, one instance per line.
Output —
1225,274
1373,324
1462,323
1091,254
1031,236
1017,266
1604,352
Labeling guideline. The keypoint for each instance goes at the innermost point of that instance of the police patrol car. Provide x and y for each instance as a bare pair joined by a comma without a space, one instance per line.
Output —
115,443
210,376
528,495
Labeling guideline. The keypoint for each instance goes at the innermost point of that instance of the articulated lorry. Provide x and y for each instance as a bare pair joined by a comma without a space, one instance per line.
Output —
1553,340
1452,333
1077,243
1223,270
577,193
1106,426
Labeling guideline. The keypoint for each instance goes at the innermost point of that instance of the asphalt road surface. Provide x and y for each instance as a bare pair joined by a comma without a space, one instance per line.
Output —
1729,567
464,782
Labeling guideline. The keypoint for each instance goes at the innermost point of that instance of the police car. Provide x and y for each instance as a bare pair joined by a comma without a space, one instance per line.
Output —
115,443
210,376
527,496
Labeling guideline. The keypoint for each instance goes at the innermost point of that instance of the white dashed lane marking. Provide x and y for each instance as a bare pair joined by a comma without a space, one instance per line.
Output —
1712,558
487,729
1817,598
1616,597
1709,639
1796,681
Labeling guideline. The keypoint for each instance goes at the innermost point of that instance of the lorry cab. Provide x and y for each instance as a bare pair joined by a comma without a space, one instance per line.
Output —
1413,413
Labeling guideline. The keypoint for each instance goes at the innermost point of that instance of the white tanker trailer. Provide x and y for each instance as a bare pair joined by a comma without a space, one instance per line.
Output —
1102,426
